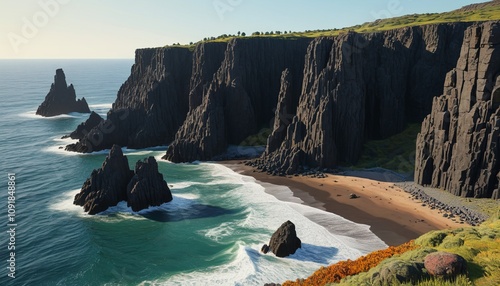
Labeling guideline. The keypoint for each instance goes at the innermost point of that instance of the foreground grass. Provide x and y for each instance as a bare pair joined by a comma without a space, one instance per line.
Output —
480,246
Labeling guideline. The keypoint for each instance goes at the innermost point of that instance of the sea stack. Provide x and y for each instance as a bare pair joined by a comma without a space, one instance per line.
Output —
115,182
61,99
106,186
147,187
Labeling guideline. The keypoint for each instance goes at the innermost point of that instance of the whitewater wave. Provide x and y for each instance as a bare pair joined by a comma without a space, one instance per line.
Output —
326,237
32,115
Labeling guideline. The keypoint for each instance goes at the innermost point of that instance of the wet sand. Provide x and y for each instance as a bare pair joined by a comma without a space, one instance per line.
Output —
390,212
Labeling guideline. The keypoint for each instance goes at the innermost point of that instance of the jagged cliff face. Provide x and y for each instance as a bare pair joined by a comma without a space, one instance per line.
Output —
363,86
459,144
150,105
240,98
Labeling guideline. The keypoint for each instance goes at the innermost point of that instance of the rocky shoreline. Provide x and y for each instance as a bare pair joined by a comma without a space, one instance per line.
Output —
440,200
455,212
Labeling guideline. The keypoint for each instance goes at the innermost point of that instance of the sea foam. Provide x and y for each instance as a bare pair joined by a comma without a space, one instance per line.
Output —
326,238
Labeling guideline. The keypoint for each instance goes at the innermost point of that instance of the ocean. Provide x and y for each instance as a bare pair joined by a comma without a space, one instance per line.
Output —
210,234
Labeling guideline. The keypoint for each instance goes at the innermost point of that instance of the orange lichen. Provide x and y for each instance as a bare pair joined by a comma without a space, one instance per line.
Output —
334,273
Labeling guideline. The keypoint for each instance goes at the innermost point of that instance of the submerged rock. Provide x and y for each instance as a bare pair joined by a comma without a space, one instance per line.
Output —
61,99
284,241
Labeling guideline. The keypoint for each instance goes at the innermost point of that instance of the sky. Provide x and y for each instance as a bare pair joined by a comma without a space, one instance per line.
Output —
77,29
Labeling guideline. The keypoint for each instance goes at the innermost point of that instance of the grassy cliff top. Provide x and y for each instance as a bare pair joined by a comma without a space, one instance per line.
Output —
472,13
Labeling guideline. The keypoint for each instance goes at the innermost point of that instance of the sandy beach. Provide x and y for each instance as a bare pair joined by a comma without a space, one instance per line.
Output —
390,212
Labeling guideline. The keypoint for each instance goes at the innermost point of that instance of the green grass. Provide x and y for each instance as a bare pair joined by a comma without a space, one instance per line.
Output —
480,246
259,139
490,12
396,153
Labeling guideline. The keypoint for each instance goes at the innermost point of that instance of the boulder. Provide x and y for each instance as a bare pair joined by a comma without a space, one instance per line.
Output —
107,185
444,264
284,241
61,99
265,249
147,187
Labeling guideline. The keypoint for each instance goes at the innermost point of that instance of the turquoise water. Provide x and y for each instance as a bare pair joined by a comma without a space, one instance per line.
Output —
209,234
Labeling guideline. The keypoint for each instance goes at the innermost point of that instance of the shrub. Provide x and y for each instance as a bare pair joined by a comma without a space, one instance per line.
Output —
337,271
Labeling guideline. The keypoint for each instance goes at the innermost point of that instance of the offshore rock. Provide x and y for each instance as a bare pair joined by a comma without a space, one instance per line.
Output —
284,241
459,144
61,99
115,182
106,186
147,187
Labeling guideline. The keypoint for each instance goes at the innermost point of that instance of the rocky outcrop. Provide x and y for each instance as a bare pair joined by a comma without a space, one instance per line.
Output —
444,264
107,186
61,99
115,182
147,187
363,86
150,105
84,128
240,98
284,241
288,98
459,145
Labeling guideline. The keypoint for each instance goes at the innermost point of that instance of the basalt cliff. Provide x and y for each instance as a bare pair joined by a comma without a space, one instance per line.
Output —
322,98
459,144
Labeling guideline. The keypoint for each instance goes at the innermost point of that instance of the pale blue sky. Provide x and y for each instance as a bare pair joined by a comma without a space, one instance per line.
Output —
115,28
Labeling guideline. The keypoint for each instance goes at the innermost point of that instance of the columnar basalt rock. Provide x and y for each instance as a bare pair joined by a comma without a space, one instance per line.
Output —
84,128
363,86
147,187
150,105
240,98
115,182
106,186
459,145
61,99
